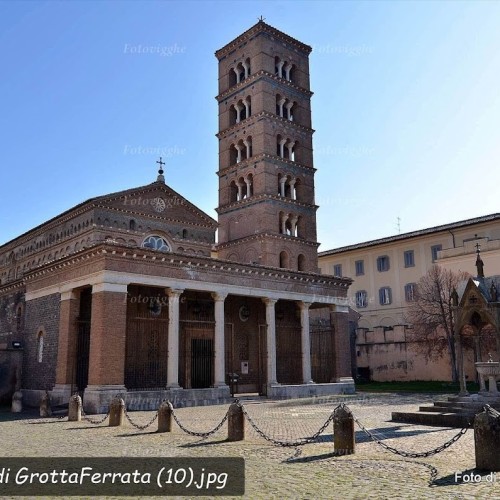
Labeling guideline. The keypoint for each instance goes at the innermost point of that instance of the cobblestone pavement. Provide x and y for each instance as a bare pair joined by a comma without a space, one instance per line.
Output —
273,471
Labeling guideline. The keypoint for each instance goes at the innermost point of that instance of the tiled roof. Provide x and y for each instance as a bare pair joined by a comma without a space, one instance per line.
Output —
412,234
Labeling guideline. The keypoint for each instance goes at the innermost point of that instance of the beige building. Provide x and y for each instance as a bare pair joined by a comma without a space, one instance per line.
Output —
385,273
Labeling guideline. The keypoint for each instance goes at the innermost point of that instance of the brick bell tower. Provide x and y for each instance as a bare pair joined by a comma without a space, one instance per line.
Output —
267,213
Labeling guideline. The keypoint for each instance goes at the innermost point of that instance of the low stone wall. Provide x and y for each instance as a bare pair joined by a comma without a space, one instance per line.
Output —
10,373
310,390
97,401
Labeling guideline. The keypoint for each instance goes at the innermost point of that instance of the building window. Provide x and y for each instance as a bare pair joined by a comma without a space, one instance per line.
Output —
361,298
156,243
360,267
39,347
434,251
383,263
410,292
385,296
409,257
337,270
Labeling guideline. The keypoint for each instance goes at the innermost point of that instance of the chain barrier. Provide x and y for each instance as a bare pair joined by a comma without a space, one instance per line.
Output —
92,421
278,442
137,426
407,454
198,434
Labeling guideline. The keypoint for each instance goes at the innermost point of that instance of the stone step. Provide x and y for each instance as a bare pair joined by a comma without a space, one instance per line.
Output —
451,409
434,419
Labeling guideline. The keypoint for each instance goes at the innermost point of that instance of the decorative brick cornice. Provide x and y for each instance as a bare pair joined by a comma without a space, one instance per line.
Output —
197,263
261,27
263,114
260,236
257,76
259,199
264,157
13,286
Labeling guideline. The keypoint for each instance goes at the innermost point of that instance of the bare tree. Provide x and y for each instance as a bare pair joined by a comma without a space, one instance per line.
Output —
431,316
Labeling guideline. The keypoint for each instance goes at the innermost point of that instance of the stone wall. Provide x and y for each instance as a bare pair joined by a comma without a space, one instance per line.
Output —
42,318
386,354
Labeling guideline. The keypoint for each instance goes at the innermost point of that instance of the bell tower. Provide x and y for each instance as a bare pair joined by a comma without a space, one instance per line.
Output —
267,213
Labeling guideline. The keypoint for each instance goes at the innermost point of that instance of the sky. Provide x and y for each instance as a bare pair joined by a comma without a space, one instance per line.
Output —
406,106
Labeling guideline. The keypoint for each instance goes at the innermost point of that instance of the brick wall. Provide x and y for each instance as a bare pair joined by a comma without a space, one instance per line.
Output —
42,313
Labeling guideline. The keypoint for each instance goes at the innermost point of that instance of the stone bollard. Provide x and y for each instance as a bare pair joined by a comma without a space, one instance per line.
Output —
487,440
165,417
45,410
343,432
75,409
235,423
116,412
17,402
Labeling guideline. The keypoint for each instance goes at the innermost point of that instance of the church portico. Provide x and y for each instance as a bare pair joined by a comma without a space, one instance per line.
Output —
151,333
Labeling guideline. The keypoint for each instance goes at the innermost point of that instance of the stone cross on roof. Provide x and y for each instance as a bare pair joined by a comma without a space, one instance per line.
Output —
160,177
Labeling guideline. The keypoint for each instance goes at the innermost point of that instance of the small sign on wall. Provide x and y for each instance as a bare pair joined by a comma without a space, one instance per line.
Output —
244,367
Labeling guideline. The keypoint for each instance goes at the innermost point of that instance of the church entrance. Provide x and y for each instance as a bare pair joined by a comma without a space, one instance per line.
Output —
146,348
81,364
201,363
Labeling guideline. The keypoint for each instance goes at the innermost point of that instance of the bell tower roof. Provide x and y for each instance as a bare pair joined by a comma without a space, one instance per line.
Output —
261,27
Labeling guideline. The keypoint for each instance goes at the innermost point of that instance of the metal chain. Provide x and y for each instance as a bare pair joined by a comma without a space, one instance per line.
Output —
199,434
137,426
298,442
95,422
407,454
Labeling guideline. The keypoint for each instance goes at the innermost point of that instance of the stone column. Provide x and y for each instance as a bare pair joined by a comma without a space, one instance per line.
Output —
248,147
280,68
66,348
239,149
287,69
271,341
341,344
306,342
246,67
238,107
281,102
219,355
237,74
282,186
108,330
240,190
282,147
246,103
292,189
284,218
173,338
288,107
248,182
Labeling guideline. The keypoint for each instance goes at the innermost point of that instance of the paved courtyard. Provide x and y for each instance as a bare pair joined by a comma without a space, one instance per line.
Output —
311,471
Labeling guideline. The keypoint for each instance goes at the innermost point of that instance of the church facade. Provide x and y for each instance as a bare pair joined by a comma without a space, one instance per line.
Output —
130,294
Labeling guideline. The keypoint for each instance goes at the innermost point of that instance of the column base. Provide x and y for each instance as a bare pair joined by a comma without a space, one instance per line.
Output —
96,398
345,380
220,385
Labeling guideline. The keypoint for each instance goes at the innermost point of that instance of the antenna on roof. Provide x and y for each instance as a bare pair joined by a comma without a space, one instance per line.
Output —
398,224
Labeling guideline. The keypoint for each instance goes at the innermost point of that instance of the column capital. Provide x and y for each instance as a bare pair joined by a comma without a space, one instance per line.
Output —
109,287
304,305
269,302
68,295
174,292
219,296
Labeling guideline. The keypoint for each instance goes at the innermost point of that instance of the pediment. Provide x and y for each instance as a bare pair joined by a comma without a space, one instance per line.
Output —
156,200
